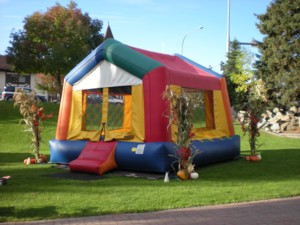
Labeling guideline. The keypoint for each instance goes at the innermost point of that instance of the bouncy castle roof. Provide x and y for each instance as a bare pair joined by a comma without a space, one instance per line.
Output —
139,62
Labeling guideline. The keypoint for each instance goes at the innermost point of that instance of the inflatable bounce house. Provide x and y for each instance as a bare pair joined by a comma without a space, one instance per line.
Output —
112,114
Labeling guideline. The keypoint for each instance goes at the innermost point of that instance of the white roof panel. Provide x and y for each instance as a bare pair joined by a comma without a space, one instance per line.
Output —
106,74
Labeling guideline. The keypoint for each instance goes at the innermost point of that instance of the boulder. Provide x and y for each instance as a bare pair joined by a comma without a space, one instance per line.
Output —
270,114
284,118
294,122
273,120
276,110
290,114
264,115
290,127
277,120
275,128
262,123
241,116
293,109
279,114
283,126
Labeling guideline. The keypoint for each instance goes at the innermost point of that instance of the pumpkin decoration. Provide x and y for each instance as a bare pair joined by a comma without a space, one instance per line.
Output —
29,161
247,157
42,159
253,158
194,175
183,175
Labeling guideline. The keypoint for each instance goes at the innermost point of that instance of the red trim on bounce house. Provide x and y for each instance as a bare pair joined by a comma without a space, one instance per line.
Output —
64,112
154,83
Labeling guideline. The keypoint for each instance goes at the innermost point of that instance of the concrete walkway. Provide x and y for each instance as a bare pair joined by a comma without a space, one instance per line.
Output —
284,211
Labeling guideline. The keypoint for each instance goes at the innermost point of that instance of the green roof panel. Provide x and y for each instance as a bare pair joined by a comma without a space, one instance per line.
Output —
128,59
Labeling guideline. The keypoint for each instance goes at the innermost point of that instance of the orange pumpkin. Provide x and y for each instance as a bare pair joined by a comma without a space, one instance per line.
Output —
182,174
254,158
43,158
31,161
247,157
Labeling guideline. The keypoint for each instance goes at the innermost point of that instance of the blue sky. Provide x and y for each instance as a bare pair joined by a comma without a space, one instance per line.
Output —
157,25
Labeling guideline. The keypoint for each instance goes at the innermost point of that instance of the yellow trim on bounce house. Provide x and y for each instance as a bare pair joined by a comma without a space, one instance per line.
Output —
216,122
133,128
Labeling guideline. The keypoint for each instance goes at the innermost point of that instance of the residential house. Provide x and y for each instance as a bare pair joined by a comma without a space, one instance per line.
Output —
10,78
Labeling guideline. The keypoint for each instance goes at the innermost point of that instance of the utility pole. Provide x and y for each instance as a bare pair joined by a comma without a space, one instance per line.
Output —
228,28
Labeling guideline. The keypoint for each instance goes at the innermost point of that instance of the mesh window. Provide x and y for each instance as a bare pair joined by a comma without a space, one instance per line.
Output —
93,110
200,119
116,106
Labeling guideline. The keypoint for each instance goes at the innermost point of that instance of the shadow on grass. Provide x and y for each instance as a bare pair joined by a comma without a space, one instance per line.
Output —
6,157
11,212
276,165
277,168
47,212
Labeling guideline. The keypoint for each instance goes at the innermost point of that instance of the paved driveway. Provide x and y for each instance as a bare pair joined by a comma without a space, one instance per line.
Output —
272,212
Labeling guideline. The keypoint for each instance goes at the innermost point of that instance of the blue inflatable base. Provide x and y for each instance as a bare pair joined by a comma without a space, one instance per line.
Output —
154,156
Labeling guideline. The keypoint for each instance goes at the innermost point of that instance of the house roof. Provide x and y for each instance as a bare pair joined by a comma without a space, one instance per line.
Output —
3,64
108,33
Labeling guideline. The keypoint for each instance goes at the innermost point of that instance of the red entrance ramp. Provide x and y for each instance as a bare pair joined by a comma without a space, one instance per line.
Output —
96,157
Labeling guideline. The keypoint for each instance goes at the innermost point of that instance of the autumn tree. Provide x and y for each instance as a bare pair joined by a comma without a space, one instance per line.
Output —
238,72
53,42
279,65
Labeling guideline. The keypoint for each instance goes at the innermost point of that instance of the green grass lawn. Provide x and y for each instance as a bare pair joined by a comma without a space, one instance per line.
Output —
31,195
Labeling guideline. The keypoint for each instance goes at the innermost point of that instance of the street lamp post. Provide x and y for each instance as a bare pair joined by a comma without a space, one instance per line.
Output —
253,43
198,28
228,28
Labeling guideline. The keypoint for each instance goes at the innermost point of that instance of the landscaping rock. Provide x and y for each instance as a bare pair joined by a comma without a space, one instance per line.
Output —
283,126
284,118
262,123
273,120
291,128
275,128
276,110
241,115
293,109
270,114
278,120
279,115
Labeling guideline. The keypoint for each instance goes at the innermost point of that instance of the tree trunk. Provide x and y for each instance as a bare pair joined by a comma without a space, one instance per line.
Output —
59,85
36,141
252,145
